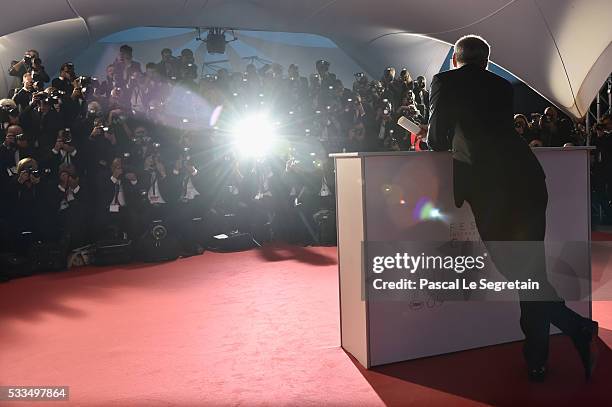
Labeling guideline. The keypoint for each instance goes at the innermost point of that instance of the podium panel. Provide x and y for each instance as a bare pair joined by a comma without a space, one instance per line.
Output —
378,200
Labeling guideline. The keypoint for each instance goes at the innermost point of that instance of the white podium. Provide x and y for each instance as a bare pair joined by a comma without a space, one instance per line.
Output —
378,198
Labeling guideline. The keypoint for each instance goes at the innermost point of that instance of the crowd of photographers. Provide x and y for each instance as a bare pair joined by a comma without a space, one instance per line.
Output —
85,159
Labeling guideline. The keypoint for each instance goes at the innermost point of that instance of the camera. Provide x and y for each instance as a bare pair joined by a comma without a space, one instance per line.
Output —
36,173
86,82
38,86
387,107
6,112
67,136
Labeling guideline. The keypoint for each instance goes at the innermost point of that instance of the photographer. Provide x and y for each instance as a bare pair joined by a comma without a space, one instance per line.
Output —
109,82
354,121
263,186
42,121
385,126
155,181
38,73
400,86
8,154
361,84
169,67
116,196
32,209
70,200
317,193
194,201
63,152
118,123
325,78
153,88
409,109
421,95
23,96
25,65
100,149
23,146
124,68
65,80
189,69
521,128
555,132
9,114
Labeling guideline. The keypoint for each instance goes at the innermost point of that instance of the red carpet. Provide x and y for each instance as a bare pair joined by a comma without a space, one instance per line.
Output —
252,328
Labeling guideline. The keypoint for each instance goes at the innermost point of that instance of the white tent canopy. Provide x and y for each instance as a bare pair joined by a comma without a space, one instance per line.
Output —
561,48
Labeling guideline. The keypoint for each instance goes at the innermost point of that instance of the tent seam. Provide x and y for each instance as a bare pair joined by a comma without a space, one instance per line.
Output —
76,13
480,20
569,82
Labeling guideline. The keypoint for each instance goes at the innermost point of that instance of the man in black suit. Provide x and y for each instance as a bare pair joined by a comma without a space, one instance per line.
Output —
471,113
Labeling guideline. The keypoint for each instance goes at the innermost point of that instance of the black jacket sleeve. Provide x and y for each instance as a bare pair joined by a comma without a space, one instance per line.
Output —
440,134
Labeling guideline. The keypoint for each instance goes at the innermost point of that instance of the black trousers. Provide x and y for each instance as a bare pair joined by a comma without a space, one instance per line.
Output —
511,220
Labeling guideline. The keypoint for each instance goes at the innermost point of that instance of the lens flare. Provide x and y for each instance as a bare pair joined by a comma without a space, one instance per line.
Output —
254,136
214,117
425,210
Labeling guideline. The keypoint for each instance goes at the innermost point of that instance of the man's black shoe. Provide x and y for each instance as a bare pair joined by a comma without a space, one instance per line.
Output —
586,344
537,374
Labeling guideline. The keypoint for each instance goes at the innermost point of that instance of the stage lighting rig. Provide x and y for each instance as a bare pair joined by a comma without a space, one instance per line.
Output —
216,39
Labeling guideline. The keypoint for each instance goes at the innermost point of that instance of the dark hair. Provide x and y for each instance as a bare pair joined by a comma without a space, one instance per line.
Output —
126,49
66,65
523,118
472,49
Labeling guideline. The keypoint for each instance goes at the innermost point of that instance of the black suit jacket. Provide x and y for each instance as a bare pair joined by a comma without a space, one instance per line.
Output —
105,192
471,113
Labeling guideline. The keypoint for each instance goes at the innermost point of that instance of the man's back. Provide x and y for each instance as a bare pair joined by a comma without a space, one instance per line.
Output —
472,114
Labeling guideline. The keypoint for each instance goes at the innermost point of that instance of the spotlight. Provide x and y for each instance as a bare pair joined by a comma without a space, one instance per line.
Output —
254,136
